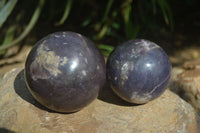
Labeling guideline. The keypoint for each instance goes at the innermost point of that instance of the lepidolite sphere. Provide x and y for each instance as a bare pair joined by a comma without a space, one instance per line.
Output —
64,71
138,71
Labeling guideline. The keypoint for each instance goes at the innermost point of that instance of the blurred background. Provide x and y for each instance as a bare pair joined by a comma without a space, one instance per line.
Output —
172,24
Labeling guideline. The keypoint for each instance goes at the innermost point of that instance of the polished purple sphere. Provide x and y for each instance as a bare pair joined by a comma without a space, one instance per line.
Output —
138,71
65,71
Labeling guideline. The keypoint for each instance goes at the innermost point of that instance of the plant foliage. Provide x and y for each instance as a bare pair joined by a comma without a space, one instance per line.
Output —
102,20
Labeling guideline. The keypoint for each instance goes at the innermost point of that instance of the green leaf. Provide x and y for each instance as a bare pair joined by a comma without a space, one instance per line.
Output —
108,7
127,13
30,26
8,37
66,13
88,20
162,6
115,25
2,3
170,15
105,49
130,30
105,53
102,32
6,10
167,13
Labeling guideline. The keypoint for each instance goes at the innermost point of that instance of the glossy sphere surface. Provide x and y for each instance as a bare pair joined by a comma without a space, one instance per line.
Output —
138,71
64,71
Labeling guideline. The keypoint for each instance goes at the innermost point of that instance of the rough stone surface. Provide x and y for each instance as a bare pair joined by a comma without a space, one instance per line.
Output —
180,56
20,113
185,82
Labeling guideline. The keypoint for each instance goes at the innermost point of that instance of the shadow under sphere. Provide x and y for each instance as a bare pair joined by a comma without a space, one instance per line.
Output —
22,90
106,94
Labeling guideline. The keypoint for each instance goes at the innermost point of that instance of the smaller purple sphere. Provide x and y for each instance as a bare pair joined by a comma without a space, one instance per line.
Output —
64,71
138,71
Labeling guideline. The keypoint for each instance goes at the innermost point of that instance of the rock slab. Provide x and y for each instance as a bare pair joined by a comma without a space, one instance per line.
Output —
20,113
185,82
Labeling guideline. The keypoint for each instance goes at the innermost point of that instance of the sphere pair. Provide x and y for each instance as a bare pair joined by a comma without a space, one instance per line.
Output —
65,71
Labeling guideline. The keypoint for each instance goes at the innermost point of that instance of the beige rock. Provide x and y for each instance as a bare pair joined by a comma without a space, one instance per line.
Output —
186,54
20,113
185,82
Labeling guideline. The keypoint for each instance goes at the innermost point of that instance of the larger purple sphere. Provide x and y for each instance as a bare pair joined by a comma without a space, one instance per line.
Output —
138,71
64,71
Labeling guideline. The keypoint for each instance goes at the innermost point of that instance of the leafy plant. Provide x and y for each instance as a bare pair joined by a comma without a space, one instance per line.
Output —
166,11
6,9
102,20
28,28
